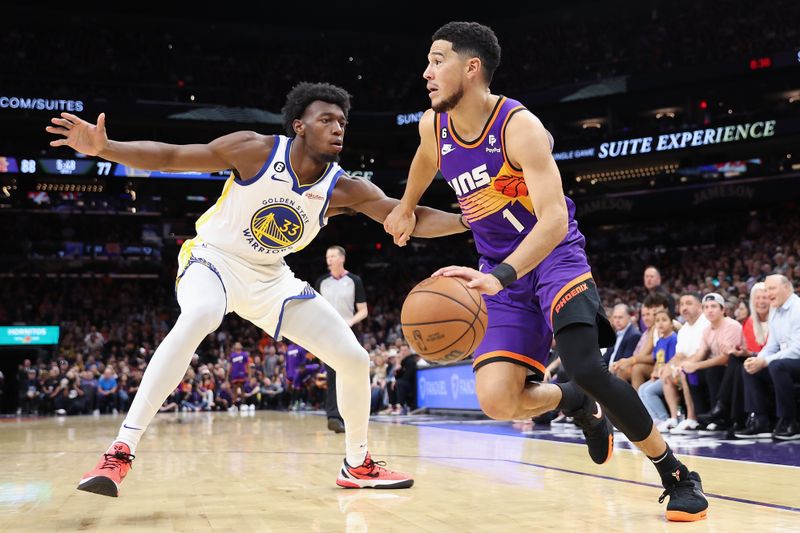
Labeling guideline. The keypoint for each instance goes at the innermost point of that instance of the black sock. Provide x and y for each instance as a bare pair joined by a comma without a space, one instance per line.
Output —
669,468
572,397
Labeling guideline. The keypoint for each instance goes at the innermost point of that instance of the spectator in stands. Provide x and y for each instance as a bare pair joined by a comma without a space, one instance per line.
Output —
89,385
778,364
50,387
206,387
68,398
407,379
710,358
274,389
741,312
627,335
251,394
378,382
729,410
652,283
239,365
30,393
651,392
638,368
107,389
191,399
677,384
94,340
224,398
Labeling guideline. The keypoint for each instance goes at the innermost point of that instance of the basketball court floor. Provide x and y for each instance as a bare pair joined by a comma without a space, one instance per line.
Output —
275,471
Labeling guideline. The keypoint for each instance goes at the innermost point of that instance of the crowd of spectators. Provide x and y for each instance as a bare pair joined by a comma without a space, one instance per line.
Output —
655,293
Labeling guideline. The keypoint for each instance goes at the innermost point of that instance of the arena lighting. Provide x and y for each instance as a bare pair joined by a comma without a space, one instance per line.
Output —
703,104
620,175
68,187
595,125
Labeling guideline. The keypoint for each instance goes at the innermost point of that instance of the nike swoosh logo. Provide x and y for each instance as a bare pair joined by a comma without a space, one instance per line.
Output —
127,426
599,414
275,177
446,151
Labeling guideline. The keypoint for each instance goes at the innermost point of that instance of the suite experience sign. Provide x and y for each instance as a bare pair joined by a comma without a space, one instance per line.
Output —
673,141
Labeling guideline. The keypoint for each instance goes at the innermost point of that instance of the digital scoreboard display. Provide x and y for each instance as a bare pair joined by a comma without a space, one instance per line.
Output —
87,167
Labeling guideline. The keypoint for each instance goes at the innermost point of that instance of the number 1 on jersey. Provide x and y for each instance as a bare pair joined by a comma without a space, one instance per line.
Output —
508,215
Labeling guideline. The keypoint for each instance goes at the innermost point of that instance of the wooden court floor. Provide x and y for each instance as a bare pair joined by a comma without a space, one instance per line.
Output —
271,471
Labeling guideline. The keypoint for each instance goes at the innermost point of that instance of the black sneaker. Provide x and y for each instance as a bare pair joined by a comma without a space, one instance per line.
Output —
757,427
787,430
687,503
597,429
336,425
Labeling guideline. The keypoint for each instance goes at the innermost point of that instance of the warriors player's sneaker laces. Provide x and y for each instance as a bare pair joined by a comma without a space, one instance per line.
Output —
109,472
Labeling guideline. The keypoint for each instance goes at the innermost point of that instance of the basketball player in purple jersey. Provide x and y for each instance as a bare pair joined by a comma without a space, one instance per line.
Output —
298,369
533,271
239,361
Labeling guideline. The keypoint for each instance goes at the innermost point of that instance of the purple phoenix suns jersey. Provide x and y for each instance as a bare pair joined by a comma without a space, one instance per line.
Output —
491,192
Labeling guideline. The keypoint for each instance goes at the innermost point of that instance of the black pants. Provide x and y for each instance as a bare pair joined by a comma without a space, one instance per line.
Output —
706,393
579,347
331,406
731,390
780,375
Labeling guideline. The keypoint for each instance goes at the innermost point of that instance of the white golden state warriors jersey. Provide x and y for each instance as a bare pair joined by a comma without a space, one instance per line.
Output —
265,218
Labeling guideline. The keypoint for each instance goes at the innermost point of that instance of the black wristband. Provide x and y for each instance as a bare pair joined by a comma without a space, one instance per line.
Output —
505,273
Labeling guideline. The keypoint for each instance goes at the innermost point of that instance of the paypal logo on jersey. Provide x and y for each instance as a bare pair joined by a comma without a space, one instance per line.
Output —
467,182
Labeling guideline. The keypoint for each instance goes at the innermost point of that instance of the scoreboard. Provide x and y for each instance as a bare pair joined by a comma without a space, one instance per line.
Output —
88,167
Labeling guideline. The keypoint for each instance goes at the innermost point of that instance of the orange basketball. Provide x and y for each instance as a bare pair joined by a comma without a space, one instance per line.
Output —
443,320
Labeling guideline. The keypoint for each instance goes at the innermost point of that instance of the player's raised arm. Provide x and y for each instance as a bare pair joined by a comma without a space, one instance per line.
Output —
228,151
362,196
400,222
528,145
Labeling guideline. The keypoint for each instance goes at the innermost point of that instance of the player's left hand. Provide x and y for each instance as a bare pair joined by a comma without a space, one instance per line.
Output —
483,283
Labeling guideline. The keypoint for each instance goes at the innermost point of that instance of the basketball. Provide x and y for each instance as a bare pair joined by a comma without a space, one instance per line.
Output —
443,320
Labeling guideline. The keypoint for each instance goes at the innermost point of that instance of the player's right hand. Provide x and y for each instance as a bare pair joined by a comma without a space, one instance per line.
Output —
84,137
400,224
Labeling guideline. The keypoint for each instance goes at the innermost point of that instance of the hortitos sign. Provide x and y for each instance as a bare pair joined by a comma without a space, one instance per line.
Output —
673,141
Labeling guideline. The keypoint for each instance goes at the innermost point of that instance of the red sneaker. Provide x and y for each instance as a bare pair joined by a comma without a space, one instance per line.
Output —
372,475
109,472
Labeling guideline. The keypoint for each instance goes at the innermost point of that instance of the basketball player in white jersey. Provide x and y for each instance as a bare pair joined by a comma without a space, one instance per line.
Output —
280,193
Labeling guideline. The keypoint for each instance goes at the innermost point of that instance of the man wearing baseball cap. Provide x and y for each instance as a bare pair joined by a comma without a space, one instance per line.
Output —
710,359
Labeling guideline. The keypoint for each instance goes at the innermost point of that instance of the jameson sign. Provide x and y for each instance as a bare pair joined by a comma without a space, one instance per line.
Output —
673,141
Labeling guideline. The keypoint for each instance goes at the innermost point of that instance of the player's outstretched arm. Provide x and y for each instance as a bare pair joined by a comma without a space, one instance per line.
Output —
400,222
91,139
362,196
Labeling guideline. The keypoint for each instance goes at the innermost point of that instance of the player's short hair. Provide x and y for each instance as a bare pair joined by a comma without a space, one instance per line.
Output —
338,249
304,94
474,40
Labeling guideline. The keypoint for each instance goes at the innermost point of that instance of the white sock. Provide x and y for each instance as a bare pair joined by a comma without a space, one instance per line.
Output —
316,326
202,300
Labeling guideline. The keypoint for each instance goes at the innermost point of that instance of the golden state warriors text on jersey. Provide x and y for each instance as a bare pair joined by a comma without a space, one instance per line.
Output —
264,218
